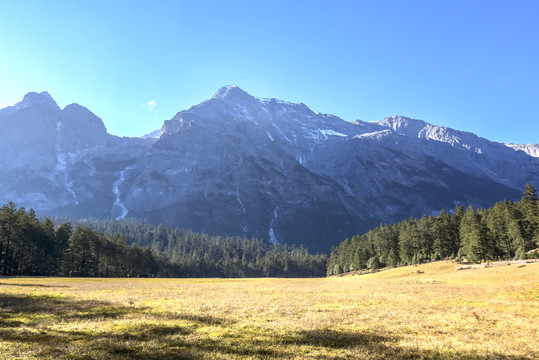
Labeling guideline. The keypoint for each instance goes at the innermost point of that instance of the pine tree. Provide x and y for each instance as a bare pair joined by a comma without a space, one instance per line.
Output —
472,236
529,195
444,235
10,238
392,259
63,233
530,210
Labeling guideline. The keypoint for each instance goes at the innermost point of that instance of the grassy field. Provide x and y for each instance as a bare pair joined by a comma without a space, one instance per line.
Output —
425,312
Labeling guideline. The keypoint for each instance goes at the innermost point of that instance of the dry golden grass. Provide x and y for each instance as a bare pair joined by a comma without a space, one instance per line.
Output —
438,313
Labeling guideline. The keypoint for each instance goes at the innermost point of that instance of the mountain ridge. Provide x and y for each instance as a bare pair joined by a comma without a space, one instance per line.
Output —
236,164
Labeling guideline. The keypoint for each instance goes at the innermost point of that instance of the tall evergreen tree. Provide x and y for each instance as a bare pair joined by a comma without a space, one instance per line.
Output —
473,236
529,195
530,210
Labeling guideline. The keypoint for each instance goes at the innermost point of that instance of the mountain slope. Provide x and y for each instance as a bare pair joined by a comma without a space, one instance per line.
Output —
237,164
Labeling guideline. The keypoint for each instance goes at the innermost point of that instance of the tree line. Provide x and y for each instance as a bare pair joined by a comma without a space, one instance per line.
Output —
53,247
507,230
32,247
109,248
193,254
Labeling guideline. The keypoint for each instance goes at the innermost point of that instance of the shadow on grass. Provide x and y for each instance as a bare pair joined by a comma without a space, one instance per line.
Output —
203,319
328,338
31,321
34,285
32,308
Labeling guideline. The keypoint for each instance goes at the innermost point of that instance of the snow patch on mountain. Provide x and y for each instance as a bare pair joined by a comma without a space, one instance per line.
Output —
530,149
267,101
116,191
327,133
321,134
238,198
377,135
273,239
282,133
91,166
62,171
61,168
244,225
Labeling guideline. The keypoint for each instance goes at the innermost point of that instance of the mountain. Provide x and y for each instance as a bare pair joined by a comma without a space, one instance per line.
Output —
237,164
49,157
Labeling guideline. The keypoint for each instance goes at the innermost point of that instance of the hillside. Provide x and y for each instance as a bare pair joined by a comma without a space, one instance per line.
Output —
444,272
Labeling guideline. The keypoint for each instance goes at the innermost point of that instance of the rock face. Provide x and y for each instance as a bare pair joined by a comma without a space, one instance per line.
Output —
236,164
53,159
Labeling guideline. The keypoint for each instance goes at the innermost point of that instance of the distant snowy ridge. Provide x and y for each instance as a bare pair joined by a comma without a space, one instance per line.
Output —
423,130
530,149
374,135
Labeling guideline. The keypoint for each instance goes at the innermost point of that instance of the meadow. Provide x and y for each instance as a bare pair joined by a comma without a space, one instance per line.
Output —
423,312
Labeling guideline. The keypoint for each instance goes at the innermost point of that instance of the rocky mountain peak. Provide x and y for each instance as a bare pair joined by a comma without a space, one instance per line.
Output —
411,127
231,93
83,121
37,99
401,123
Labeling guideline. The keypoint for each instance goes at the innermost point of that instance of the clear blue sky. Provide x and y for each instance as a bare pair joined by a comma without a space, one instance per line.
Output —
471,65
